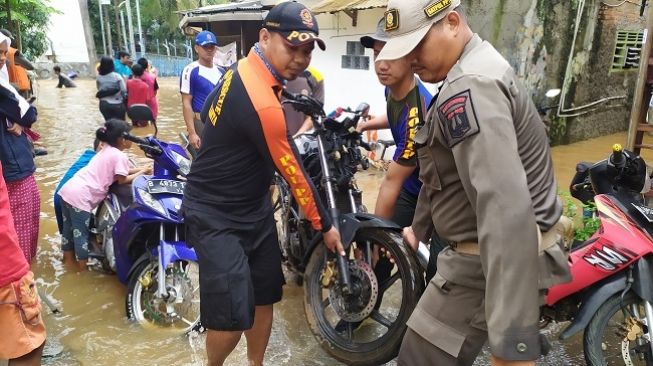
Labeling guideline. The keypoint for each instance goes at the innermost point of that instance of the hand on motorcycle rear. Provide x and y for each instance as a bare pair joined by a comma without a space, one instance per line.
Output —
410,238
333,242
194,140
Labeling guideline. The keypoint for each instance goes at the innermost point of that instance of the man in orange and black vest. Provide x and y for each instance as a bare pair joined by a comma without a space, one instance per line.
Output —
227,205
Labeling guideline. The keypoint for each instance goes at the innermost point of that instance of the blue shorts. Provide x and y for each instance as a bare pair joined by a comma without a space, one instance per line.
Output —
75,232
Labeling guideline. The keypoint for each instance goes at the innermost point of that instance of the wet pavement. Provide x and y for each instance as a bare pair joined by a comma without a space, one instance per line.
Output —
92,328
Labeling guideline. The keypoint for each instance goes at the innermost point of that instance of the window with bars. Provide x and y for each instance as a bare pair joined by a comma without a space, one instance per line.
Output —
355,57
627,50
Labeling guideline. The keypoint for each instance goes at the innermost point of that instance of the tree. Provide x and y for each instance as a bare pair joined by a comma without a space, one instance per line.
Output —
159,20
28,21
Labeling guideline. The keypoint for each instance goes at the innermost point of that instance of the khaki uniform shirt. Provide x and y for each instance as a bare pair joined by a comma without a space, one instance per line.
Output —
488,178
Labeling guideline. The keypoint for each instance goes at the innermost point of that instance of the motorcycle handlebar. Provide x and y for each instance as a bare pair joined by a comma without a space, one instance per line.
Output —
144,144
618,159
364,145
136,139
578,186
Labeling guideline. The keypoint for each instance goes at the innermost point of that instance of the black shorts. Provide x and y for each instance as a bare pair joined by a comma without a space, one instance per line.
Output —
240,267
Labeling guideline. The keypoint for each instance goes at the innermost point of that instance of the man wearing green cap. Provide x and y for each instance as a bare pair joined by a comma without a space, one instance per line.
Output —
488,186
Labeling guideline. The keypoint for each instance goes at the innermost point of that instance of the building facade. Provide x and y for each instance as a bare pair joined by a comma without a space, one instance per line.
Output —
589,49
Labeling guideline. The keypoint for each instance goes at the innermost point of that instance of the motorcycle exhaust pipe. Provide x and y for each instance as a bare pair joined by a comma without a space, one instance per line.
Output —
423,254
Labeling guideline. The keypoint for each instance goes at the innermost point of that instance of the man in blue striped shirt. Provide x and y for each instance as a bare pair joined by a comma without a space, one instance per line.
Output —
197,81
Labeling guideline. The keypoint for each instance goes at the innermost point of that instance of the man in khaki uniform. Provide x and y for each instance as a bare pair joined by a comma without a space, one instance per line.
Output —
487,184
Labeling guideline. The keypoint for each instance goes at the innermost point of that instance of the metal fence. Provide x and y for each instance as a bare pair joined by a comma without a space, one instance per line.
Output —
168,65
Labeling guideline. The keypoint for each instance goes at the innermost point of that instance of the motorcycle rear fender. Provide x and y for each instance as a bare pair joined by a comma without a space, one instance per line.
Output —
642,271
349,225
592,301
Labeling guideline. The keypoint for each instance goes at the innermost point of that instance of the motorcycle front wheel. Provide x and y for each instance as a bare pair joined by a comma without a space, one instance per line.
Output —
179,310
384,306
605,341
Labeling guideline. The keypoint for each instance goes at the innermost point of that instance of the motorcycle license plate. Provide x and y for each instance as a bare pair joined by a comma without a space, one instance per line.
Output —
165,186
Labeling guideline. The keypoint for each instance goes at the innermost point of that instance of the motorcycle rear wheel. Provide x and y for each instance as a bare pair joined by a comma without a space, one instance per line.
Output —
142,306
601,343
367,345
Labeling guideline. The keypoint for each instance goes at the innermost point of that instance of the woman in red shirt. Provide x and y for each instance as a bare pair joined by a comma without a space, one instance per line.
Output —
138,92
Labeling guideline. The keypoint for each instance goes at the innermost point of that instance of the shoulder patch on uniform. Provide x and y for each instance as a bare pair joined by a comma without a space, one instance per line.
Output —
458,118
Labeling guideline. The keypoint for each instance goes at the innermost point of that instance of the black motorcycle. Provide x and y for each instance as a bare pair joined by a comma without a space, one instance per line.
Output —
355,318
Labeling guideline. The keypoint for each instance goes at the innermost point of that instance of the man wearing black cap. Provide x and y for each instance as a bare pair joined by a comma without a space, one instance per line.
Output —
227,205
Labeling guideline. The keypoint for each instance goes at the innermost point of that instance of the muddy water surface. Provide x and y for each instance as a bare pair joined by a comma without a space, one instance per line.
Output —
92,328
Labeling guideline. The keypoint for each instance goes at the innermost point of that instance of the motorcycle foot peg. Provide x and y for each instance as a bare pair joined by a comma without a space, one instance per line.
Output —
96,255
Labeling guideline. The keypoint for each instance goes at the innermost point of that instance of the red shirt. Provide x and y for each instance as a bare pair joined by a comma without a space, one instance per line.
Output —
138,92
13,264
150,80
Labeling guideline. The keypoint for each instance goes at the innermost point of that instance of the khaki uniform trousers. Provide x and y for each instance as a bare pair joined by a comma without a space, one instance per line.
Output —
448,327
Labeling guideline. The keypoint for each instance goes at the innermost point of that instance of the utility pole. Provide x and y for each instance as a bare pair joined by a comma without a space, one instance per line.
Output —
9,22
124,32
132,43
642,94
140,30
109,40
104,38
116,13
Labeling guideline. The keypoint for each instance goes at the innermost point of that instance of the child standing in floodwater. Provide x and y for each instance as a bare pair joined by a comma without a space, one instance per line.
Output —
90,185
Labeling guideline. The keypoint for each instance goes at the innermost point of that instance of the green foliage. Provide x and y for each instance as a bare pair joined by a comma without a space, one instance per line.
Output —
588,226
569,207
557,130
30,23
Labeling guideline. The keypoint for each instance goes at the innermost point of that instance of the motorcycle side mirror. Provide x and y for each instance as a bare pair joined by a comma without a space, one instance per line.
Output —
552,93
363,109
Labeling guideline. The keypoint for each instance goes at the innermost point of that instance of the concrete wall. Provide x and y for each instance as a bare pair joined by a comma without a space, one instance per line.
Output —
67,32
69,37
535,36
347,87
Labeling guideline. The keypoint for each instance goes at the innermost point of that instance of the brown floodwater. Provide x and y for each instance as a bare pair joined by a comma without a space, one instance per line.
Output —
92,328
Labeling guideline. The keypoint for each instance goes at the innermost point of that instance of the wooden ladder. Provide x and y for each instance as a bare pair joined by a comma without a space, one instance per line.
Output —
642,126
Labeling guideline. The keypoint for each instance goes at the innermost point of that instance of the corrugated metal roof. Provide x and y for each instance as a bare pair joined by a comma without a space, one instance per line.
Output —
244,10
333,6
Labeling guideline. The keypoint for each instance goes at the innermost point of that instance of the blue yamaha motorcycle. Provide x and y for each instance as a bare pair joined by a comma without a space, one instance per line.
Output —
146,234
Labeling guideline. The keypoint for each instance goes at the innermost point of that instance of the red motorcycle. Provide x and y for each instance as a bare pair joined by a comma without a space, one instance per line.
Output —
611,294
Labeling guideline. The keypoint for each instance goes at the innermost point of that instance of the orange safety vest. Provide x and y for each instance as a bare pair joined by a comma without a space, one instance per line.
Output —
17,73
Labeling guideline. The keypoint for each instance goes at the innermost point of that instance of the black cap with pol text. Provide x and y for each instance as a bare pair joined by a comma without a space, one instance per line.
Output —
295,22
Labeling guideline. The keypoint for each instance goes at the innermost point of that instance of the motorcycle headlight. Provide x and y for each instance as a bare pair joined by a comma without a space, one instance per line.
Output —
149,200
184,163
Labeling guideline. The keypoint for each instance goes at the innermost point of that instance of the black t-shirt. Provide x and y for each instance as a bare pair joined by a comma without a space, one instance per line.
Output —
244,140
